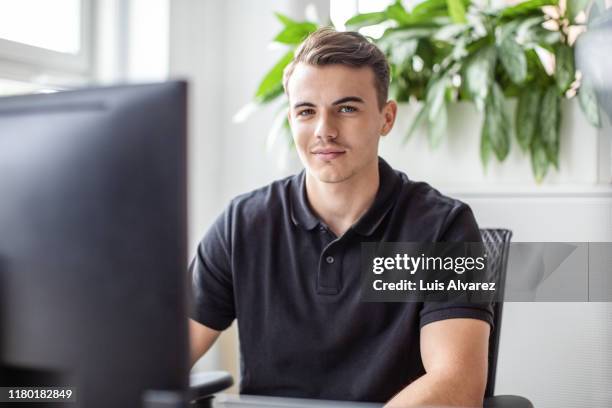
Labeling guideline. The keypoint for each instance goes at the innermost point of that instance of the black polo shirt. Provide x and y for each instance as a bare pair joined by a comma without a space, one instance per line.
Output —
293,287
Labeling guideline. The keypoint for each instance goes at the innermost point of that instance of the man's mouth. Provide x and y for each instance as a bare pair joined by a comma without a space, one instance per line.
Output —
328,154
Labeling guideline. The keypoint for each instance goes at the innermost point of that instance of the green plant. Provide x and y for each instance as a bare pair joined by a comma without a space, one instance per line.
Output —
443,51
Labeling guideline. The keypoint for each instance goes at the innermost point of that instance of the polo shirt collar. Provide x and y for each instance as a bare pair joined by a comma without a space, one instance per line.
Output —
389,185
301,214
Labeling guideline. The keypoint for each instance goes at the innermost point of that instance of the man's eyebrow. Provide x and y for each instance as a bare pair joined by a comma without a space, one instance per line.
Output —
300,104
348,99
338,102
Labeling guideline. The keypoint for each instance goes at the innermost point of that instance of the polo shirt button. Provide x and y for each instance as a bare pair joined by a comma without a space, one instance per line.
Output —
330,259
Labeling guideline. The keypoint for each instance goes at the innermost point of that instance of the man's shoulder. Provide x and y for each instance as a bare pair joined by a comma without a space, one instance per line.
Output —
265,200
425,195
439,216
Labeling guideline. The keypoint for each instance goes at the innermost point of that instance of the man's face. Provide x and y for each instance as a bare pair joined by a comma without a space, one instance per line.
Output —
335,119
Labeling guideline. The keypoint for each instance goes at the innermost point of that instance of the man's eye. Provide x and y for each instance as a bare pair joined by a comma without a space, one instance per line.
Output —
348,109
306,112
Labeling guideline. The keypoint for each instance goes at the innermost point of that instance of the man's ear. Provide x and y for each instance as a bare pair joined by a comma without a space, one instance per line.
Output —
389,114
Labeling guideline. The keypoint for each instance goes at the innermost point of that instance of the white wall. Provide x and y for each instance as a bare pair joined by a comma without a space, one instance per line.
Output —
548,351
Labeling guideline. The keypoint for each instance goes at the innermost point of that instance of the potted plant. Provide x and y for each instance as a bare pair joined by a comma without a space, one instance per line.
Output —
447,51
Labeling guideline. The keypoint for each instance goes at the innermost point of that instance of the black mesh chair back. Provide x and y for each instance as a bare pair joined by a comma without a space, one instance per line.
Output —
497,247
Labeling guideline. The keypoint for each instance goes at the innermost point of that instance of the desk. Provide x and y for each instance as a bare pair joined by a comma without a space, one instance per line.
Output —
256,401
204,385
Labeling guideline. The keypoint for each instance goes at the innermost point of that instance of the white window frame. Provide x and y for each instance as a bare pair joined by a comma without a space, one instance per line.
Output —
28,63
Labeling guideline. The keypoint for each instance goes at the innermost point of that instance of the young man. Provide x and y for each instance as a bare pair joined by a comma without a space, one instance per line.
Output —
284,260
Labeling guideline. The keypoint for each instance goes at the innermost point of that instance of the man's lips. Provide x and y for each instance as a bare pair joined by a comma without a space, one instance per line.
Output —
328,154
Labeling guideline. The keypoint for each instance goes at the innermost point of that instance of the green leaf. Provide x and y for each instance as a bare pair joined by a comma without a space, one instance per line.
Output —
550,119
429,6
565,70
437,115
295,34
535,70
399,34
456,10
435,96
478,74
508,29
450,32
272,84
574,7
285,20
543,37
398,13
532,33
403,51
459,50
274,92
365,19
527,115
513,59
437,126
588,103
529,23
430,13
416,123
496,127
539,159
485,147
437,18
527,7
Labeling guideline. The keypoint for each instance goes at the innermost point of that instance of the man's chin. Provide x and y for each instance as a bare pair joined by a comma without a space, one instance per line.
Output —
331,176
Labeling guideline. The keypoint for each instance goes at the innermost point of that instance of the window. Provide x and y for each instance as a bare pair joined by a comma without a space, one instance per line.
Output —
54,25
44,44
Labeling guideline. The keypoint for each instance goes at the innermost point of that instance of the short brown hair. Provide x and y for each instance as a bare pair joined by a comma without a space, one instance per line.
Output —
327,46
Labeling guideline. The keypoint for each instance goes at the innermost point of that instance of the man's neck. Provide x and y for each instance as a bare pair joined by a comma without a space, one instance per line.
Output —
341,204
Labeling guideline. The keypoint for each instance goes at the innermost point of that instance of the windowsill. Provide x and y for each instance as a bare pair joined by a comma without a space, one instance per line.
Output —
599,190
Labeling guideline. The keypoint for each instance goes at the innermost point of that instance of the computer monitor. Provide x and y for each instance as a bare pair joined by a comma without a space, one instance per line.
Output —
93,258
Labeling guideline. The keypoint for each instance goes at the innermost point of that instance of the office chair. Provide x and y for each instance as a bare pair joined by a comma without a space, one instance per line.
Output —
497,247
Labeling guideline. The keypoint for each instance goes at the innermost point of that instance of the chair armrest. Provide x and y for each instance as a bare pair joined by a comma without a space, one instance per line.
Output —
203,385
507,401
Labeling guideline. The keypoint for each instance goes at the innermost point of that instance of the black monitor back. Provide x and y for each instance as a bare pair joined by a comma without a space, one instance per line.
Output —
93,242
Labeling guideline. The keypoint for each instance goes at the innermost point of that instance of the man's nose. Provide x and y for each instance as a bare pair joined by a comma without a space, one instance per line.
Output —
326,127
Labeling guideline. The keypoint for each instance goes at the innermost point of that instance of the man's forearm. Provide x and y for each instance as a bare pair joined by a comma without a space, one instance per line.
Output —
201,338
440,390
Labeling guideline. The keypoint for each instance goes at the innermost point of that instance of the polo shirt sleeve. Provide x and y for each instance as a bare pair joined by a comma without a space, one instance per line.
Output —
211,284
461,226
